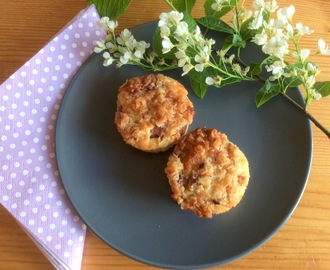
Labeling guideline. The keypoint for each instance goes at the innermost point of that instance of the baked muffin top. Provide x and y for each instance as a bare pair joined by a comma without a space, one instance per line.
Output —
207,173
153,112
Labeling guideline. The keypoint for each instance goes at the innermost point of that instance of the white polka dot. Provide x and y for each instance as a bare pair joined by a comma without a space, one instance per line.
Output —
66,254
18,194
13,206
23,214
66,36
49,238
38,198
57,67
43,80
73,230
26,203
90,24
84,44
80,25
47,206
40,230
82,53
23,73
20,84
58,246
54,78
30,190
32,82
61,234
60,57
52,226
52,49
64,222
37,61
35,210
87,34
56,214
50,195
49,59
31,222
34,71
6,198
77,35
8,87
74,45
70,242
43,218
63,47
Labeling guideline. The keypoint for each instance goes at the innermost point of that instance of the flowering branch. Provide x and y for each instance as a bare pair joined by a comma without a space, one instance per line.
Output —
179,43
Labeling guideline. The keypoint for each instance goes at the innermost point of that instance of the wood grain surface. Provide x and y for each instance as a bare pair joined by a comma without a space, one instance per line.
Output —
302,243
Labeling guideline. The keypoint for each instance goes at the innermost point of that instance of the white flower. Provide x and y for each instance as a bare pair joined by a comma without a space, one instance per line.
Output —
276,46
257,21
302,30
182,57
209,81
125,57
260,39
107,59
107,24
100,46
186,68
126,39
170,19
202,59
182,29
164,31
277,69
323,47
315,95
310,81
286,13
302,55
218,4
167,45
140,48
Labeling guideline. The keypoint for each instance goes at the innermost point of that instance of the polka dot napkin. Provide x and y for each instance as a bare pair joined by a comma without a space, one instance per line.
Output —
30,100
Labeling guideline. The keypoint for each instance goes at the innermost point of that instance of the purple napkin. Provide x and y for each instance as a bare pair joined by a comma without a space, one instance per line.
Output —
31,189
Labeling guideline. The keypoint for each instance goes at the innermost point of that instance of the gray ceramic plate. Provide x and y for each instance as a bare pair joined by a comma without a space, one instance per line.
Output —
123,196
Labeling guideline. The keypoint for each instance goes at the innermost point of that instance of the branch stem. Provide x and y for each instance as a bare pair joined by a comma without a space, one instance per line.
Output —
291,101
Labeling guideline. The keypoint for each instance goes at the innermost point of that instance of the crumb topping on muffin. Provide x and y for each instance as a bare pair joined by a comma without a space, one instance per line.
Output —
207,173
153,112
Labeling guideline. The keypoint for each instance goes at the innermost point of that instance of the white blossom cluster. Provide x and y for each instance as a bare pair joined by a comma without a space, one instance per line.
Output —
276,35
123,48
175,33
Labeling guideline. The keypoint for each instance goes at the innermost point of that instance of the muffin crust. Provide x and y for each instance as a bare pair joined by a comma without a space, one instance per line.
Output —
207,173
153,112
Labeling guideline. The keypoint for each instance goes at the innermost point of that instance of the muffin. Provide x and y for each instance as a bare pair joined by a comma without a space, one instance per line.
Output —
207,173
153,112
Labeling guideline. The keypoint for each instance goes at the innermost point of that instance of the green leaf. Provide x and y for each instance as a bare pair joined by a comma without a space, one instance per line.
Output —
292,82
184,5
110,8
198,86
233,41
226,8
216,24
323,88
197,80
255,68
266,92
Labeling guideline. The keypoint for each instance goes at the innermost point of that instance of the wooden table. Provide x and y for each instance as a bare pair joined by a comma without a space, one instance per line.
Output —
302,243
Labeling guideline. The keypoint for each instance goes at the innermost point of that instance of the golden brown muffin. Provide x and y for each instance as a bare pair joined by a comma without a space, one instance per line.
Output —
207,173
153,112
